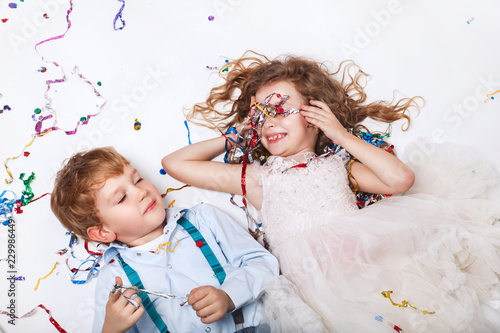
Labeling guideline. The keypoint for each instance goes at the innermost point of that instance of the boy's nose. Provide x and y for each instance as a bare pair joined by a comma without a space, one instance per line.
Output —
141,193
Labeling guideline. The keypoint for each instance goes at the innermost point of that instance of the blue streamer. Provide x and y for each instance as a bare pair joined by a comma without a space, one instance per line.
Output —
189,133
6,207
119,16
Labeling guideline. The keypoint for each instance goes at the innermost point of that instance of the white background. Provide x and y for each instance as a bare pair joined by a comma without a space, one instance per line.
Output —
424,48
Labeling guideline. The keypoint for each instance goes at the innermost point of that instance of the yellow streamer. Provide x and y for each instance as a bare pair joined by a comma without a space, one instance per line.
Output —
404,304
11,178
261,109
174,189
46,275
162,247
488,95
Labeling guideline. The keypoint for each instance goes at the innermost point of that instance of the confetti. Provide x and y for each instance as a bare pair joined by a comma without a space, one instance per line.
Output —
470,20
46,16
38,126
119,16
211,18
162,172
488,95
12,5
4,20
137,125
226,69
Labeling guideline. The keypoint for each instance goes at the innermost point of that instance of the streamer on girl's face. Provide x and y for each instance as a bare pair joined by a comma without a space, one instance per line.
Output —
260,111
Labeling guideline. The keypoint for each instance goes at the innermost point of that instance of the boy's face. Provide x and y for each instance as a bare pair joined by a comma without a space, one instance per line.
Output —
130,209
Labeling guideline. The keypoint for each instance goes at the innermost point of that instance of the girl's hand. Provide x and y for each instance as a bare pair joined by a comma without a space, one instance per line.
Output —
320,116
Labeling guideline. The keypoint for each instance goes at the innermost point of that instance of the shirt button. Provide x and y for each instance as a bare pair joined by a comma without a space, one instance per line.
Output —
139,254
208,329
176,216
169,266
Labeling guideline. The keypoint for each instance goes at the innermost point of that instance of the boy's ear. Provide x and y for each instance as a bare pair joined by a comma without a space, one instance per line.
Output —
101,234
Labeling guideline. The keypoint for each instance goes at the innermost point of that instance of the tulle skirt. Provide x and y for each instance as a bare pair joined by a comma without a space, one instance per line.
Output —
425,261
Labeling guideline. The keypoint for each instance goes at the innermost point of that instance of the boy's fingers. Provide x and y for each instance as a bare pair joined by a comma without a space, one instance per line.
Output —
130,292
118,281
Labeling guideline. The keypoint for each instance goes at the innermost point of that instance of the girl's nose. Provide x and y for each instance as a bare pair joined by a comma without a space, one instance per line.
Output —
270,122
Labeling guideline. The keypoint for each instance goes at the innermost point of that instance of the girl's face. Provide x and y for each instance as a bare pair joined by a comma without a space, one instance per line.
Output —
290,135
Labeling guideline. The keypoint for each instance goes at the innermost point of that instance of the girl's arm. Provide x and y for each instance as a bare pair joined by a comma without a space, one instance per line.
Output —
379,171
193,165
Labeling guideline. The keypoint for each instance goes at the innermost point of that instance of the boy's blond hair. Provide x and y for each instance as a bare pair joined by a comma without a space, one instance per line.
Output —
73,197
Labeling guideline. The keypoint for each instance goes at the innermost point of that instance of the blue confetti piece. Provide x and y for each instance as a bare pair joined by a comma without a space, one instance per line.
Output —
379,318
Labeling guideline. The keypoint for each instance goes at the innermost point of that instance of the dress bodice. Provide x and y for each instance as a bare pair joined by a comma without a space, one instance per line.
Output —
298,197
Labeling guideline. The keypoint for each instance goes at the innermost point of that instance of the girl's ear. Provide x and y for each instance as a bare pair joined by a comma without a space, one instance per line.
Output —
100,233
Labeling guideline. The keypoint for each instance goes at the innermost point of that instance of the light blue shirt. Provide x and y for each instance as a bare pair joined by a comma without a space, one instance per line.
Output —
246,263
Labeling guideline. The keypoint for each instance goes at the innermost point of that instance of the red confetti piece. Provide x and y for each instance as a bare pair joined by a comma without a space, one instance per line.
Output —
26,153
199,243
46,16
5,20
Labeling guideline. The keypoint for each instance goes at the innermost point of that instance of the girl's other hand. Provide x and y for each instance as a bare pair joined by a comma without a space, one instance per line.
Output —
320,116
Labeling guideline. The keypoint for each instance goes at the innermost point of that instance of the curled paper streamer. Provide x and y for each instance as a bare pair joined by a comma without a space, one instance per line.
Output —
174,189
119,16
46,276
33,311
48,101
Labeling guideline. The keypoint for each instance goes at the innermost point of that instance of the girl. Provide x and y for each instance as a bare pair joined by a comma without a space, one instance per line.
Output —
417,262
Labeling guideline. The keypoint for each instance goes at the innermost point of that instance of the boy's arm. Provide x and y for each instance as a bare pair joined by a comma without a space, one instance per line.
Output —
254,264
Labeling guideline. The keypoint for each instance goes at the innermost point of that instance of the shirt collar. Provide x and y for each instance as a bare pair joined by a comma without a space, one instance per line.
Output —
173,215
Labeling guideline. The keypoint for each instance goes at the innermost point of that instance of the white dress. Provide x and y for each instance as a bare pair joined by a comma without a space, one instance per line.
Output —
436,247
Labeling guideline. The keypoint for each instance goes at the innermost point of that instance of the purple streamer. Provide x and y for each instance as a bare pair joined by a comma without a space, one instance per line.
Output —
119,16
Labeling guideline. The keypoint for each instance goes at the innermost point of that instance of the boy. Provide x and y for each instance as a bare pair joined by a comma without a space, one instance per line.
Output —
99,196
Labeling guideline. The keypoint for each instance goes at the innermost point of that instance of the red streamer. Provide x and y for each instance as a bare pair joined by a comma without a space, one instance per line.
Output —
33,311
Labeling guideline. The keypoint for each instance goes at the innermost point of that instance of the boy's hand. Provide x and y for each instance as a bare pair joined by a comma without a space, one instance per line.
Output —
320,115
210,304
120,314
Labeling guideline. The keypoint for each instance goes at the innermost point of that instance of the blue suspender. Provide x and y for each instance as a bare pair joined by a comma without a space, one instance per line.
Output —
203,246
146,302
212,260
205,249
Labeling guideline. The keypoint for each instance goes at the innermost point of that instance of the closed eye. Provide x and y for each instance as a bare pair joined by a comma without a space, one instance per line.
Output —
139,180
122,199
